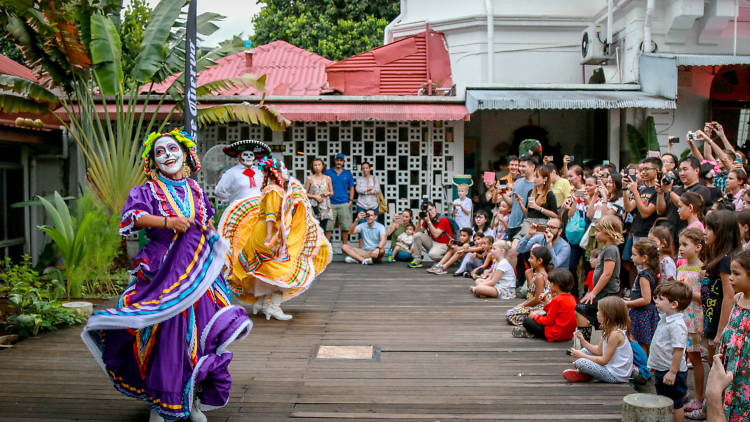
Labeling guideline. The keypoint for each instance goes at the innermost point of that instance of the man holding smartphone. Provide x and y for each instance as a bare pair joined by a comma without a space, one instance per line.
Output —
641,200
520,194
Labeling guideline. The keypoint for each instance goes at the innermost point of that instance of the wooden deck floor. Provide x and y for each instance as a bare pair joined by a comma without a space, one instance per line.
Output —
443,355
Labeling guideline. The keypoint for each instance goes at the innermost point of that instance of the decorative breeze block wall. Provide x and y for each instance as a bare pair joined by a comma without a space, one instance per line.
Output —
408,158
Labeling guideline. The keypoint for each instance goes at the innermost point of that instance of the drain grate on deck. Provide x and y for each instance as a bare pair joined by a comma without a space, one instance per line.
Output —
347,353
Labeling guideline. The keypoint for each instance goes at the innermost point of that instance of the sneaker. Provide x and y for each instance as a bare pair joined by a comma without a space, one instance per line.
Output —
519,332
350,260
457,274
466,274
390,258
693,405
574,375
415,264
434,269
367,261
440,271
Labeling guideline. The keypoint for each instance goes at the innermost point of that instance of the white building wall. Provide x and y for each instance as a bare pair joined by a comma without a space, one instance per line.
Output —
537,41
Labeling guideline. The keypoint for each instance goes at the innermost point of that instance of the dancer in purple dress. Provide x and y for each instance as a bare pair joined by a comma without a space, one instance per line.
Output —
166,341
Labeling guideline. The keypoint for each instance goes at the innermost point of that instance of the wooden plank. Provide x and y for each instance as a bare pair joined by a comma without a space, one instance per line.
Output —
444,355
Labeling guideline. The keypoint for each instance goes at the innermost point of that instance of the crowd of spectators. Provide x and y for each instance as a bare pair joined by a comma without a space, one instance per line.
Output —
652,255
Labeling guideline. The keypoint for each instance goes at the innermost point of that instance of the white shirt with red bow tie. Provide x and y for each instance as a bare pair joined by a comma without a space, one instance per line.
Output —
239,182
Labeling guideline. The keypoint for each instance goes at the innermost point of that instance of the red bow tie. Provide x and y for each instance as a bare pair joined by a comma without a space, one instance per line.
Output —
250,175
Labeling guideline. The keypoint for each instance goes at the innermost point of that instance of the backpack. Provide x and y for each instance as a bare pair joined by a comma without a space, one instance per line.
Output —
575,228
454,228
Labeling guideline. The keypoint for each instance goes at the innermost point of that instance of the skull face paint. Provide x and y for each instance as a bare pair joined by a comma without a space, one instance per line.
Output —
168,155
247,159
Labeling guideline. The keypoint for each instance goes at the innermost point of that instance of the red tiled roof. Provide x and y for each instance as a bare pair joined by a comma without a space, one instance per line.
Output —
289,70
399,68
11,67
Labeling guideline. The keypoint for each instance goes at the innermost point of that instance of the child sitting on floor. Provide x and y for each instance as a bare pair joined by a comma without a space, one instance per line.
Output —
540,260
501,281
559,320
612,360
593,260
457,249
403,241
470,259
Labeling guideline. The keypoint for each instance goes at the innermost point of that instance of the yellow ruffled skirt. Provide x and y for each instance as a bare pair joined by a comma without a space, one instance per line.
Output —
298,254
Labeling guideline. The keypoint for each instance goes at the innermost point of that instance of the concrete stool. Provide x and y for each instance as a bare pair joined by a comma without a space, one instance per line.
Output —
640,407
84,309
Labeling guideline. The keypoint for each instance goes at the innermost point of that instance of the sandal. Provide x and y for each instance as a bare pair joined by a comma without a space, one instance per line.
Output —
693,405
697,415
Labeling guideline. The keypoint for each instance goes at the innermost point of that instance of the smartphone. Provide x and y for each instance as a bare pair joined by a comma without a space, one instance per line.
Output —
580,193
503,183
572,157
738,160
605,162
691,136
673,140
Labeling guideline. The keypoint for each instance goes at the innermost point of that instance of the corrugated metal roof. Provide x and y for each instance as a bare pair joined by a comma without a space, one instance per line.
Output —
11,67
337,112
399,68
289,70
562,99
704,59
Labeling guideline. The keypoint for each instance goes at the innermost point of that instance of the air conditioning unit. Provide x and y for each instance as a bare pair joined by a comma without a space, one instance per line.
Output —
593,50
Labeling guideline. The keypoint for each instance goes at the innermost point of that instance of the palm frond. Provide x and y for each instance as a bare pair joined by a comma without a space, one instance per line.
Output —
255,114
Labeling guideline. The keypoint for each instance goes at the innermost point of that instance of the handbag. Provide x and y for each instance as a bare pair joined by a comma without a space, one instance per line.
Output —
585,240
576,228
382,205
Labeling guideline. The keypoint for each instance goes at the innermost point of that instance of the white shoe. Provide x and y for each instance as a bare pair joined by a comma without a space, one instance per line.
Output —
196,415
260,303
274,309
154,416
350,260
367,261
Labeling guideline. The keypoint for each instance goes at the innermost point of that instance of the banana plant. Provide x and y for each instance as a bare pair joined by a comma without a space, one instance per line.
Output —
638,143
74,48
68,236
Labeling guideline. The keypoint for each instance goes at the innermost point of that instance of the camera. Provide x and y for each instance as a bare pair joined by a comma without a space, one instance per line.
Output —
423,207
673,140
668,179
691,136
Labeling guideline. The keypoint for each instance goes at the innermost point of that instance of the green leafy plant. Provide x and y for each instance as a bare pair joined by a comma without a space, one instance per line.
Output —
33,300
101,243
69,237
640,143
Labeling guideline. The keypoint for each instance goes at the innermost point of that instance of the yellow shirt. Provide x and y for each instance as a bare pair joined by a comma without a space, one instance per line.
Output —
561,189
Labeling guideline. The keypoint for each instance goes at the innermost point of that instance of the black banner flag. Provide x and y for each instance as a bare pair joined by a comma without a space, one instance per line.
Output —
191,99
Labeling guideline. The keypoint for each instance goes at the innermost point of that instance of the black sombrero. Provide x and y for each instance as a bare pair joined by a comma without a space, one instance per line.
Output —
258,148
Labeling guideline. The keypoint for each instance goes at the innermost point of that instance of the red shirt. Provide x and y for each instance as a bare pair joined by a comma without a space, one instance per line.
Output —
590,280
560,321
443,224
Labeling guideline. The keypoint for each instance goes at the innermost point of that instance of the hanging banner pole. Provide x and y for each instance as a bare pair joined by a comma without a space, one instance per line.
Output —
191,99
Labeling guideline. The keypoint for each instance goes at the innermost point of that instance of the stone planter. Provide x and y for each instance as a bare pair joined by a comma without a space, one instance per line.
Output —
82,308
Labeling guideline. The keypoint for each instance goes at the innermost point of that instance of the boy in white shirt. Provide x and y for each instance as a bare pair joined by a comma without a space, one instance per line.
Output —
667,352
462,207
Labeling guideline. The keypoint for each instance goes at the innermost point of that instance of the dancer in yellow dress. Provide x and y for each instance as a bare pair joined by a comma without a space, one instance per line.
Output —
277,247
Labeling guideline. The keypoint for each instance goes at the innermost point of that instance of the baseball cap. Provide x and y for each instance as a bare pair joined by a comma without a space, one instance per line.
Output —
340,155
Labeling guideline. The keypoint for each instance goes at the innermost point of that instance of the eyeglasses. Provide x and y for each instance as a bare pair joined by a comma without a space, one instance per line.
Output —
647,168
553,227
